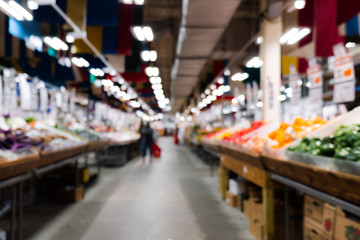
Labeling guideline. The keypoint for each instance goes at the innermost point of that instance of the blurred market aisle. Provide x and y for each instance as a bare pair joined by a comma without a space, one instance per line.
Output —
172,198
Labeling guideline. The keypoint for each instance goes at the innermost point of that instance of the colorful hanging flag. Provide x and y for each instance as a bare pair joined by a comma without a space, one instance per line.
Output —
351,27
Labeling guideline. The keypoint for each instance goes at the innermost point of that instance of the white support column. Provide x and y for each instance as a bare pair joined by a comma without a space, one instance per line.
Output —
270,53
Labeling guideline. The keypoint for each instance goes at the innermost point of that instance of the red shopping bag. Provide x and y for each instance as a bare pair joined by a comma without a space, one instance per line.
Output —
156,150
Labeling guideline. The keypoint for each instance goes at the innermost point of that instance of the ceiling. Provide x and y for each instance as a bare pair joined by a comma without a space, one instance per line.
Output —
188,37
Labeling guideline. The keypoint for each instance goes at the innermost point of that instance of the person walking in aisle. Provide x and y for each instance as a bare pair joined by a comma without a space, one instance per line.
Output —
146,141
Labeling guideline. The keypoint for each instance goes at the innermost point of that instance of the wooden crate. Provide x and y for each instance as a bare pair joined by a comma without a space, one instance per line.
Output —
341,185
240,154
49,157
22,165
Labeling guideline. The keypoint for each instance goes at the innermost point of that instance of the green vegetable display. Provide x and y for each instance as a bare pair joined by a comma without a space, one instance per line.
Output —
345,144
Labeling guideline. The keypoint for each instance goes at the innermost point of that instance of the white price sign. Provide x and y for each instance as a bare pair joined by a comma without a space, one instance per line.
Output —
343,69
344,92
344,79
315,76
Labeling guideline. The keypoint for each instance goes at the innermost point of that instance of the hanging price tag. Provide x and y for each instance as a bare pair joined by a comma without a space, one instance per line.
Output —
315,76
344,80
43,99
344,92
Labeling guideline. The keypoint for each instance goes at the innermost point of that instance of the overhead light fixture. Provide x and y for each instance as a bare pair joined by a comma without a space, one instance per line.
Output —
288,34
158,91
70,38
239,76
255,62
156,86
97,72
143,33
300,35
350,45
299,4
152,71
149,36
155,80
293,35
80,62
227,72
259,40
32,5
28,16
147,55
56,43
139,2
10,11
220,80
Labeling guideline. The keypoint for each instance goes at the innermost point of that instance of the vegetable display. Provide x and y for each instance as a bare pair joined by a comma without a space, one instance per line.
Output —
344,144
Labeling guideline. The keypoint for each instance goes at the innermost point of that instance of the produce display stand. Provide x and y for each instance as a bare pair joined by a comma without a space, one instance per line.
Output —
14,173
256,174
214,155
117,152
269,173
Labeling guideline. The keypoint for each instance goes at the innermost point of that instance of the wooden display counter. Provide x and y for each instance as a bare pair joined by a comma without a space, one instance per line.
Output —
259,169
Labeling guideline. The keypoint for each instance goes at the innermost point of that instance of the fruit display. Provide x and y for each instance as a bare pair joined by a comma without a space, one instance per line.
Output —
287,133
344,144
239,137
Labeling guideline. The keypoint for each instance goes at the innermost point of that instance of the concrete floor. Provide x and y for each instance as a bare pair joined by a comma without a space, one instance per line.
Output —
174,198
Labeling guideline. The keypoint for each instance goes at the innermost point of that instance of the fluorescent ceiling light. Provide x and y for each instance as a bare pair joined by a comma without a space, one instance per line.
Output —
28,16
147,55
220,80
158,91
156,86
350,45
97,72
80,62
32,5
239,76
148,33
70,38
138,32
259,40
155,80
56,43
10,11
255,62
153,55
299,4
288,34
143,33
300,35
139,2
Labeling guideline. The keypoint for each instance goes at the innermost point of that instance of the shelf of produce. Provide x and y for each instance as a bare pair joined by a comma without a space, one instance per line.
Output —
236,152
338,184
49,157
16,167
